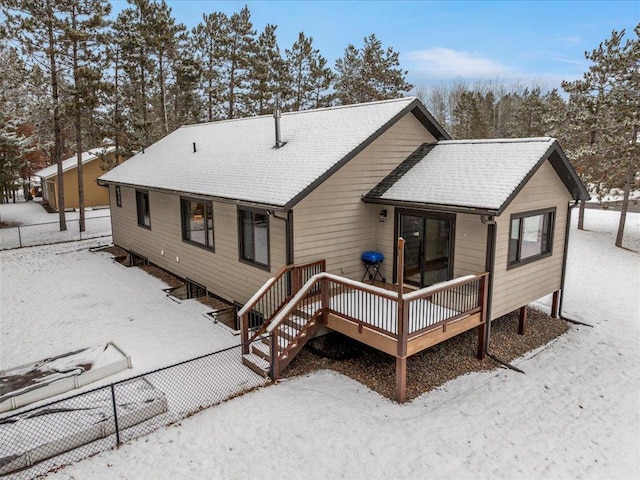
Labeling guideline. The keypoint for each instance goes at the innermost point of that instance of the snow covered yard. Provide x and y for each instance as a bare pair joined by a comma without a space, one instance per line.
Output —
60,298
30,224
574,414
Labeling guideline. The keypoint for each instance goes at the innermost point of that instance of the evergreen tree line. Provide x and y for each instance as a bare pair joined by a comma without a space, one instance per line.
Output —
72,77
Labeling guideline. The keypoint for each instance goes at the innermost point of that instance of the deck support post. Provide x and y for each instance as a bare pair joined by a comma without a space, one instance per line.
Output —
244,331
522,323
555,303
481,334
401,379
403,330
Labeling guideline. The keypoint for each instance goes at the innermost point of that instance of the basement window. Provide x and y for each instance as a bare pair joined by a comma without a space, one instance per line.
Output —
195,290
531,236
142,206
197,222
253,226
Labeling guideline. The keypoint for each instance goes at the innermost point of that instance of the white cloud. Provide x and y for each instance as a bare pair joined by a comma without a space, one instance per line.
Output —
447,63
570,41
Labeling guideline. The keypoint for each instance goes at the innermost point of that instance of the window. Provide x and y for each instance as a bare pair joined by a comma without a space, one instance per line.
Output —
142,205
197,222
118,196
254,237
531,236
195,290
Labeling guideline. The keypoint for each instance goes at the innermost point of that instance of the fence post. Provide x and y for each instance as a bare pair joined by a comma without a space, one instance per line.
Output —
19,237
115,414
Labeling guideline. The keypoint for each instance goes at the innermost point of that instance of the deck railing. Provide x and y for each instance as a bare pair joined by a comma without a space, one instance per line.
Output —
258,312
378,309
429,307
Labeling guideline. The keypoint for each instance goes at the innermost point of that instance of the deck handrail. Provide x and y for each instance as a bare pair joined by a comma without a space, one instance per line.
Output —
297,275
261,291
380,292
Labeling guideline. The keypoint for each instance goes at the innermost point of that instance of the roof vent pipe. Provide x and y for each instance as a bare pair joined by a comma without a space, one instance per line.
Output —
194,147
277,114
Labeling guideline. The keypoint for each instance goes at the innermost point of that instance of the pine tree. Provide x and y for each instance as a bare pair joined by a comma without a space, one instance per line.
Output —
38,27
529,114
267,74
236,55
608,114
208,39
186,105
14,140
370,73
83,22
309,78
469,117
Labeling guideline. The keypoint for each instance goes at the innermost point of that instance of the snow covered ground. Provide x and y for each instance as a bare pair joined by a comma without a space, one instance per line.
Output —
574,414
35,226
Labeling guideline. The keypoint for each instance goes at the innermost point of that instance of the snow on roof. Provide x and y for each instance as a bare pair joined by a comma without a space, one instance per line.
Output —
236,159
464,173
72,162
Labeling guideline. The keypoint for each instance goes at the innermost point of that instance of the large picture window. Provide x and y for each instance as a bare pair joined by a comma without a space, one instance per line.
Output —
142,206
530,236
254,237
197,222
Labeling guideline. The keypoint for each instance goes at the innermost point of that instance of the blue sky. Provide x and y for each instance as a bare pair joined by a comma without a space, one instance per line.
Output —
542,41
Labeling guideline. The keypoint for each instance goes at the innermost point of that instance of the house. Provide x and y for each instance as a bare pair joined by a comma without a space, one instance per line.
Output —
275,214
94,195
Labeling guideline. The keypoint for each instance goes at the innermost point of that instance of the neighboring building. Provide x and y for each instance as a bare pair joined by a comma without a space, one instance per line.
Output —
226,205
94,195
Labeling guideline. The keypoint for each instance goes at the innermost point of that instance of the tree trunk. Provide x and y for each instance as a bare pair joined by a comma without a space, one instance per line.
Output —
625,207
581,214
627,188
57,129
163,93
78,127
116,109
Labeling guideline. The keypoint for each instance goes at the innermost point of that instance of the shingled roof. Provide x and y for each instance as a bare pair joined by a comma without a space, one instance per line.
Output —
236,159
72,162
480,175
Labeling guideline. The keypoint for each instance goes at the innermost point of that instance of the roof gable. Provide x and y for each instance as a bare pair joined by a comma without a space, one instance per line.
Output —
481,175
235,159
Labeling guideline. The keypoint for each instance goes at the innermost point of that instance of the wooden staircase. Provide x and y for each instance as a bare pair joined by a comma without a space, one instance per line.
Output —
288,338
291,332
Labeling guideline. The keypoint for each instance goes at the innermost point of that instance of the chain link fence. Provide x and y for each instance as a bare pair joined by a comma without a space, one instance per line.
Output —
49,233
35,441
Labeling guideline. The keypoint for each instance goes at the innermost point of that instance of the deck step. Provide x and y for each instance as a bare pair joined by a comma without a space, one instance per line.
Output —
296,321
262,350
257,364
282,342
288,332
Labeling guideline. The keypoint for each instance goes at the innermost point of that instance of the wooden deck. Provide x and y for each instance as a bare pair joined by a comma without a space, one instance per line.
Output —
300,299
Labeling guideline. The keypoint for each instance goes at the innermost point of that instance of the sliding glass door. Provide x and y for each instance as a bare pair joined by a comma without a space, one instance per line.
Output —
428,250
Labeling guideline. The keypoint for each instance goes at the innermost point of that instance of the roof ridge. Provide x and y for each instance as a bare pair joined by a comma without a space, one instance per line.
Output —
298,112
498,140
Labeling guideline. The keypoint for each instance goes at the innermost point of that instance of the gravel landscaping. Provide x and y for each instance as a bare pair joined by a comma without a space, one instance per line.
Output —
432,367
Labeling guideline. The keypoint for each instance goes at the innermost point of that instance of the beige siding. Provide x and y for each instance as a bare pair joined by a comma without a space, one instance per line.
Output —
333,223
94,194
470,250
524,284
220,271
